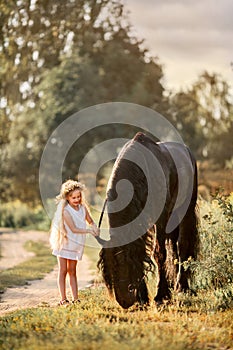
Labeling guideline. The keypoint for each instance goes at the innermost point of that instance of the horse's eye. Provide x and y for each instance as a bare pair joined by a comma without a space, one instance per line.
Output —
131,288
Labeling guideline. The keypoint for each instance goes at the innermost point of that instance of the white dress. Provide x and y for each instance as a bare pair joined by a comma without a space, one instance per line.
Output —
73,246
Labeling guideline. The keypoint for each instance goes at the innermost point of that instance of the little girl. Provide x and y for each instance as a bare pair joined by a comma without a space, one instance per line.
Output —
68,234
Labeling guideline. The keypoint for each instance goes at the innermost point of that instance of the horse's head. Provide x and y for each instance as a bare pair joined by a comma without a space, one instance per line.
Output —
126,278
123,272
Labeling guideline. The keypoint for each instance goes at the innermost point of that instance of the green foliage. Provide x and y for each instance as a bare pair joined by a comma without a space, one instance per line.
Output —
204,116
214,269
226,204
35,35
204,300
42,263
18,215
184,111
212,272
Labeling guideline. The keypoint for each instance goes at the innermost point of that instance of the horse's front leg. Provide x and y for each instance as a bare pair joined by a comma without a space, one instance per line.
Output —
142,294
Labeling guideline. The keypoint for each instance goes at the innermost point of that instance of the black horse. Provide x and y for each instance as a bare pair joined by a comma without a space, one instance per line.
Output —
151,202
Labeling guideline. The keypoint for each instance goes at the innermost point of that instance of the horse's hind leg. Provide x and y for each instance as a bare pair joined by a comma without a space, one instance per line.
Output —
163,291
172,257
187,247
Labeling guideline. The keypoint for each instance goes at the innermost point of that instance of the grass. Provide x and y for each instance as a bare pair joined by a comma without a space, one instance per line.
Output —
99,323
42,263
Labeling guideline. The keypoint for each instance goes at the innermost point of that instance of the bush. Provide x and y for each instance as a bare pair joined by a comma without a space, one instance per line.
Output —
19,215
212,272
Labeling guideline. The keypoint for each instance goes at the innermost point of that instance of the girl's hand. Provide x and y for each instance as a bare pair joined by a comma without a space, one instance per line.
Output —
93,232
96,230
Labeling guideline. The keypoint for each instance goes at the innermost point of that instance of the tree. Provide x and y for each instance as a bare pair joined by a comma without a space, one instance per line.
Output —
184,114
34,35
101,63
203,114
215,115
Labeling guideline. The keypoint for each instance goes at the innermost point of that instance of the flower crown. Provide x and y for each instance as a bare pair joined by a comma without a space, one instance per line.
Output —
69,186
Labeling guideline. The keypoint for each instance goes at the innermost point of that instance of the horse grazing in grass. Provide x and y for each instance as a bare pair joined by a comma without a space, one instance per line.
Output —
151,201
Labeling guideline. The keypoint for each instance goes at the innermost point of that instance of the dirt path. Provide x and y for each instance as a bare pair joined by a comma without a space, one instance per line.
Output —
39,292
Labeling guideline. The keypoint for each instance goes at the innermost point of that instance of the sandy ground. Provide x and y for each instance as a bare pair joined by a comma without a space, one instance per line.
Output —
39,292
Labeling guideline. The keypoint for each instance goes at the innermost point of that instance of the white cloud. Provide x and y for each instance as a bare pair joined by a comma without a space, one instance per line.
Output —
188,37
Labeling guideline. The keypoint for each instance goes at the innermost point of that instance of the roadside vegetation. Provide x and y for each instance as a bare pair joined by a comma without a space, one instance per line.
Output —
20,215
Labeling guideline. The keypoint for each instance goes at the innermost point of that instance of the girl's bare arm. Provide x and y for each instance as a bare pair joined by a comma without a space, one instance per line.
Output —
69,221
91,222
88,217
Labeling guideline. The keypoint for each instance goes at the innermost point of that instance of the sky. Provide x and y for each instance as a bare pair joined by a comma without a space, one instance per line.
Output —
188,36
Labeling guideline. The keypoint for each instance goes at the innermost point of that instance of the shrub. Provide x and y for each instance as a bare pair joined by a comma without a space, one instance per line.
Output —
213,269
19,215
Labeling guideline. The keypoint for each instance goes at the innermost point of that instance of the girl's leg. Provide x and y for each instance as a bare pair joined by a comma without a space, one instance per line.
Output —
71,269
61,281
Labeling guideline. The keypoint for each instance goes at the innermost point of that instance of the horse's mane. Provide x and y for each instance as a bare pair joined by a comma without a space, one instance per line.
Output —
137,253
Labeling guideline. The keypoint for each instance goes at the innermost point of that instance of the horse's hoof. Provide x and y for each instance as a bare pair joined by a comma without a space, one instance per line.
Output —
163,302
159,303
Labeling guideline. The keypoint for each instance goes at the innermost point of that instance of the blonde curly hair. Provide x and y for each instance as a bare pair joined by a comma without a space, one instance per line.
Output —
68,187
58,231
